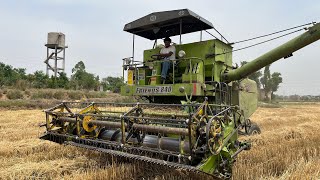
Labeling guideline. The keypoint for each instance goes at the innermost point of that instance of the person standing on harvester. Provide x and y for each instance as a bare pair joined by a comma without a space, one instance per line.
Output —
168,52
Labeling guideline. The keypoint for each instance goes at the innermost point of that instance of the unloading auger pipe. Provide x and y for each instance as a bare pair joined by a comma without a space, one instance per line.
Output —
283,51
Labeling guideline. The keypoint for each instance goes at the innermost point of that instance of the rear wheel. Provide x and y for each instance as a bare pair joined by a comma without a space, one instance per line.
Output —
254,129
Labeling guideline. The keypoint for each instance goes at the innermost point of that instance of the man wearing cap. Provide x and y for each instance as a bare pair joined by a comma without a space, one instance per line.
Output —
168,52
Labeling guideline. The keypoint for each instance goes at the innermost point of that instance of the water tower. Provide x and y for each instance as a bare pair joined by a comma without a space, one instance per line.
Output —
56,47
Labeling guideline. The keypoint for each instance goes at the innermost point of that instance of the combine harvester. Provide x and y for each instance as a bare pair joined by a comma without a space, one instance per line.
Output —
198,135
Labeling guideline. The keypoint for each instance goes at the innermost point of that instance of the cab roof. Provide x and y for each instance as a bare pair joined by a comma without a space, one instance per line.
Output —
163,24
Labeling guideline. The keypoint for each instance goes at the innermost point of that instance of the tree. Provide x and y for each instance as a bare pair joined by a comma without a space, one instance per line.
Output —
9,75
265,80
270,83
63,81
80,79
79,67
2,74
21,72
276,80
97,83
112,83
254,76
88,81
40,80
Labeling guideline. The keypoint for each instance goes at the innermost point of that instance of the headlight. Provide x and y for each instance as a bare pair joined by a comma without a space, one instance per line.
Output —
181,53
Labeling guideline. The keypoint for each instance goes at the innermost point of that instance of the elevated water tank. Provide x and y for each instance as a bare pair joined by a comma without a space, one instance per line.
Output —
56,39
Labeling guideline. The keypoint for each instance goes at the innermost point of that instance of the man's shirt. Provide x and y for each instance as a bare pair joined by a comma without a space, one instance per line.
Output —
172,49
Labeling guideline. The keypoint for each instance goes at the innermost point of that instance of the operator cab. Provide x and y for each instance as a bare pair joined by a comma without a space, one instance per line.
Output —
196,63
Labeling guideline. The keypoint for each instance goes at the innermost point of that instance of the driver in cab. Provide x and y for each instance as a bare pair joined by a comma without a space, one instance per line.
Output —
168,53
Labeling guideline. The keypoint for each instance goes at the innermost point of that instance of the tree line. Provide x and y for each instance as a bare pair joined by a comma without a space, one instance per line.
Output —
80,79
295,98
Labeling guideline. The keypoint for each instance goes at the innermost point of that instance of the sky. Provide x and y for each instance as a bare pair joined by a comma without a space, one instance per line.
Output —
94,33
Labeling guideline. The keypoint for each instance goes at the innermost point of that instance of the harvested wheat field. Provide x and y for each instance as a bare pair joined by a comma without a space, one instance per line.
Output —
288,148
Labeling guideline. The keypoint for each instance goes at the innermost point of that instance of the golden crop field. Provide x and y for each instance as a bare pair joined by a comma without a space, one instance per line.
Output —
288,148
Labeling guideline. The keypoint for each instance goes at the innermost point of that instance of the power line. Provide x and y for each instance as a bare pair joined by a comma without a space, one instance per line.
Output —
250,39
267,40
259,43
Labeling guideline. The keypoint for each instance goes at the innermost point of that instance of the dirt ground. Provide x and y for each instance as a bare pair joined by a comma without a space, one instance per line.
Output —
288,148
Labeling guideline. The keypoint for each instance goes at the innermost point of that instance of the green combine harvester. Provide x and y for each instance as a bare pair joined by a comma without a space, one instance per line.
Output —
194,117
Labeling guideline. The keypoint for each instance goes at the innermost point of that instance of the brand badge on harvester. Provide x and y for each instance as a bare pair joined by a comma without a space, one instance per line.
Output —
154,90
